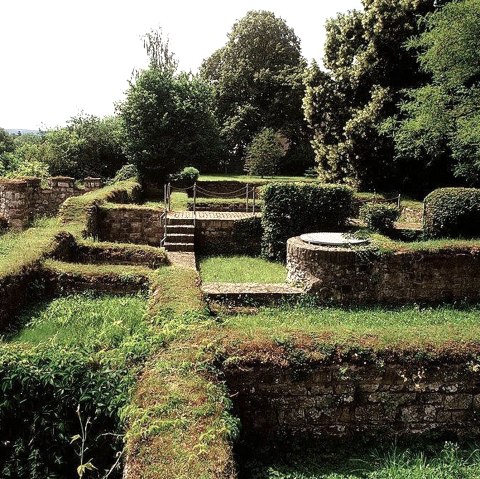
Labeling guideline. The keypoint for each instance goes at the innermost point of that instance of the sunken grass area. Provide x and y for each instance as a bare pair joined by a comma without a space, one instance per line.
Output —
375,327
447,461
241,269
85,321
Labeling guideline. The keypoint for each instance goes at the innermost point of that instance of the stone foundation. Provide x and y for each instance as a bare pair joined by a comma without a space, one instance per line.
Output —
348,401
228,236
130,224
23,200
345,275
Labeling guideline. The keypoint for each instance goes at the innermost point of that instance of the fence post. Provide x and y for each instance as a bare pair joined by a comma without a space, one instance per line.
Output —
254,195
399,201
246,205
194,202
169,192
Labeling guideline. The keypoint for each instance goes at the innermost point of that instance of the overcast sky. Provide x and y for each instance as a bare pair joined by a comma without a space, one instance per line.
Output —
59,57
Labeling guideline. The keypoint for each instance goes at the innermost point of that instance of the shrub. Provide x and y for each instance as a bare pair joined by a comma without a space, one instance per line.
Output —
126,172
379,217
264,154
292,209
452,213
186,177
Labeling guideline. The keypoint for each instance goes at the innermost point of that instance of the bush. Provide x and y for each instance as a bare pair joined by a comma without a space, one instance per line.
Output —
453,213
126,172
292,209
186,177
379,217
264,154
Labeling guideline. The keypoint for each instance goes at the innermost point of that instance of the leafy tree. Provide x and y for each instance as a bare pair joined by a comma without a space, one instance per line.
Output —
257,79
368,68
440,122
88,146
6,146
168,123
264,154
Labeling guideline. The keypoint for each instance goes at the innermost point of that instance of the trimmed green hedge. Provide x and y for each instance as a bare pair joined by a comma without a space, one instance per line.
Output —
379,216
291,209
453,213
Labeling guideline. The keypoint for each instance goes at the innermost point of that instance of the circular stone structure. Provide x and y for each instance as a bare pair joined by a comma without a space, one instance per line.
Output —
332,239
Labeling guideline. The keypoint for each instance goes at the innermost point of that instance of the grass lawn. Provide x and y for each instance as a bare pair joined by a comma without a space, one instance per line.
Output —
82,321
447,462
254,179
377,327
240,269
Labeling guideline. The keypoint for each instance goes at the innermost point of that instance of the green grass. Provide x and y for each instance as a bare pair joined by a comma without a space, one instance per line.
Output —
382,327
83,321
19,250
254,179
450,462
240,269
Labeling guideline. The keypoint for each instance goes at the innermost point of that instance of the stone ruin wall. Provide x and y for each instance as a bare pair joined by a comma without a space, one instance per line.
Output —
24,199
348,276
347,401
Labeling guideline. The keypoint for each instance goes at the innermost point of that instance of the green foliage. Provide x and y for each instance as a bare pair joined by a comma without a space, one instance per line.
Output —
439,124
379,217
87,146
257,78
186,177
291,209
388,462
168,123
240,269
453,213
126,172
85,350
368,67
264,154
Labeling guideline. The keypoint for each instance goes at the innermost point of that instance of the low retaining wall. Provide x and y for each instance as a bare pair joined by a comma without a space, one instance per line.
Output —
130,224
228,236
23,200
347,401
359,276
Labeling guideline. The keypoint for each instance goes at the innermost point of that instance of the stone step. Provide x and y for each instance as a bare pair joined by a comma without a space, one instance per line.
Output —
242,294
180,221
179,246
180,238
180,229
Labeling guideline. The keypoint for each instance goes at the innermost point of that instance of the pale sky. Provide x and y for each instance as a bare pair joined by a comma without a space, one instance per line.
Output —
59,57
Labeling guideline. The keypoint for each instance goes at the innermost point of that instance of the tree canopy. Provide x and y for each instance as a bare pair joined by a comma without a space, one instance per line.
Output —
168,123
257,80
368,68
440,122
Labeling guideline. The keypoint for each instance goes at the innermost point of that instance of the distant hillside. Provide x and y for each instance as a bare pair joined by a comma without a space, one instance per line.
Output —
23,131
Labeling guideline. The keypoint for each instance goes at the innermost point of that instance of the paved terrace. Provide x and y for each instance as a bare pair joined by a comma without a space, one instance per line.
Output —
212,215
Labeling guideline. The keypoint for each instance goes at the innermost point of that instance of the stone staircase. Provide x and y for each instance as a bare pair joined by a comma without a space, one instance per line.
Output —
180,234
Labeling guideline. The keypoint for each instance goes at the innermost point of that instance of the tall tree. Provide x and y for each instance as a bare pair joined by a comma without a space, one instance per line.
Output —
168,124
440,124
368,67
257,78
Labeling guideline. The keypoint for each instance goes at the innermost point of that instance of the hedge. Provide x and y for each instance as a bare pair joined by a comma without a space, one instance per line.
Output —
379,216
452,213
291,209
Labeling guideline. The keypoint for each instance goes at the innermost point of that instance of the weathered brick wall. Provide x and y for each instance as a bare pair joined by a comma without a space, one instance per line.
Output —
228,236
345,401
23,200
130,224
347,276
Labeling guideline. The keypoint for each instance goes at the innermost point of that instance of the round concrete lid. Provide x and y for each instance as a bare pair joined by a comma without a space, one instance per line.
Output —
332,239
